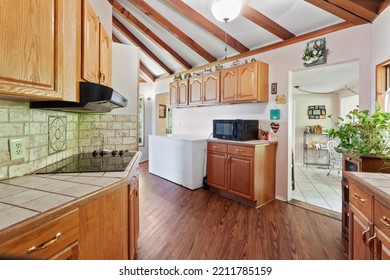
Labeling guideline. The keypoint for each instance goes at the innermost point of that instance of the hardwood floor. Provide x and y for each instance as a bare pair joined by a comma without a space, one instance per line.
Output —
177,223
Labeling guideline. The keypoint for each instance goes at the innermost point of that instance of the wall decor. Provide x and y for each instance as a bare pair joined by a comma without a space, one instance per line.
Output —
281,99
162,111
314,53
57,134
274,126
316,112
274,114
274,88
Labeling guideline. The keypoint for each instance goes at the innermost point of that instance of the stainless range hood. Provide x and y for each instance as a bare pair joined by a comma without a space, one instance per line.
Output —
94,98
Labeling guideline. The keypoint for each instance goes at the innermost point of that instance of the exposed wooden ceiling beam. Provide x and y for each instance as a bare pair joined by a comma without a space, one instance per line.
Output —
203,22
115,39
382,6
355,9
153,14
296,39
266,23
147,73
118,25
337,11
148,33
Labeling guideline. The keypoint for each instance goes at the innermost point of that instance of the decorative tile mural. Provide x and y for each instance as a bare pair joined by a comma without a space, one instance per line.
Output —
57,134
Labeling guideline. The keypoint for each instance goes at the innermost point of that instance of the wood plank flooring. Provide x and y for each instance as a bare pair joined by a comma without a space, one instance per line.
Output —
177,223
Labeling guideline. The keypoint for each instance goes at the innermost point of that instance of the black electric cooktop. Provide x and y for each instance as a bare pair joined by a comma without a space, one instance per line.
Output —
91,162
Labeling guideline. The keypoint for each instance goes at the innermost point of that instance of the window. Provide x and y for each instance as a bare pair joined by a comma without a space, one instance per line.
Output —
141,121
383,85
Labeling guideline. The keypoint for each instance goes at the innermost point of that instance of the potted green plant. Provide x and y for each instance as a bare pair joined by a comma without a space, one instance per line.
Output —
363,134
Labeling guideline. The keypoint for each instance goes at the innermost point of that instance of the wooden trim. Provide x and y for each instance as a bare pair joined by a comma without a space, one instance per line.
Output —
147,73
303,37
266,23
356,9
380,83
115,39
130,18
337,11
203,22
382,6
153,14
118,25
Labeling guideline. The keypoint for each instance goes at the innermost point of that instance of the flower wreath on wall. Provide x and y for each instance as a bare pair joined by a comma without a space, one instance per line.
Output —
314,53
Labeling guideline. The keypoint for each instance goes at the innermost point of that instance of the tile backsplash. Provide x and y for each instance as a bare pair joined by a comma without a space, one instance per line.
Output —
53,135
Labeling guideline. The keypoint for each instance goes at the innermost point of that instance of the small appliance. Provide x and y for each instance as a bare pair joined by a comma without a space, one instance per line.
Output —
236,130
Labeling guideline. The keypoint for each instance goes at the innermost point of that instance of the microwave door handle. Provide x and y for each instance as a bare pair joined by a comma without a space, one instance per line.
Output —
235,130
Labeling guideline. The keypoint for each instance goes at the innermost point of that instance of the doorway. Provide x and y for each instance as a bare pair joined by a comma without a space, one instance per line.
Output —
318,93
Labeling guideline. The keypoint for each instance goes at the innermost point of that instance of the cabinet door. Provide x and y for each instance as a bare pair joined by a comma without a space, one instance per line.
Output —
104,224
105,58
229,85
69,253
247,82
240,176
211,92
134,217
359,232
382,250
91,42
182,93
216,170
173,91
195,90
32,47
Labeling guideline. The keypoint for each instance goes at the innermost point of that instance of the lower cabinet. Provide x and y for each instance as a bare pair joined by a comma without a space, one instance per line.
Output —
133,215
241,171
56,239
369,225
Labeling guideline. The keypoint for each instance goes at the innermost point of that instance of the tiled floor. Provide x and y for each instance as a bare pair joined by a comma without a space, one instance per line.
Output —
313,186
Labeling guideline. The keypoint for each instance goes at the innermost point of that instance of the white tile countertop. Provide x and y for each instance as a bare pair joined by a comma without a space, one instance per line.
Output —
28,196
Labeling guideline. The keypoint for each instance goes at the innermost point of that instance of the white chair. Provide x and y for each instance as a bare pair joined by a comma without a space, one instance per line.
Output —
335,158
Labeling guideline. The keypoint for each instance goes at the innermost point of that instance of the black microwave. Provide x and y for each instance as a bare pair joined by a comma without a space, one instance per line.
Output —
237,130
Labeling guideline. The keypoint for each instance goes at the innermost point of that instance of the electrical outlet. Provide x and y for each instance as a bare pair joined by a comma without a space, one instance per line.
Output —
18,148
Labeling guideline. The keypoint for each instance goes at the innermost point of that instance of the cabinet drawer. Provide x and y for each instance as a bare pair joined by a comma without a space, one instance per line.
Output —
66,229
217,147
361,200
241,150
382,217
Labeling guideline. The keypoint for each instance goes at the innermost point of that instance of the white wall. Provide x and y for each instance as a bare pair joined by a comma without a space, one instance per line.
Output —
149,113
125,65
344,45
104,11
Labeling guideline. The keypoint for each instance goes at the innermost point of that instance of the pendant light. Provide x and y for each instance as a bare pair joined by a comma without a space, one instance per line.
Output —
226,10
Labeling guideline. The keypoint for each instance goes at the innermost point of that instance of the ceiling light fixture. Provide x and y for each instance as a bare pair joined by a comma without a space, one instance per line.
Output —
226,10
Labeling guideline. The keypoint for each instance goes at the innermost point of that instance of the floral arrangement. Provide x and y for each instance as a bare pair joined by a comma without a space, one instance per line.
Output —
314,53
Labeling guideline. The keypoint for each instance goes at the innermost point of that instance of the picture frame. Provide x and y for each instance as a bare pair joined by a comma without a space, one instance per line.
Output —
274,88
316,112
310,112
162,111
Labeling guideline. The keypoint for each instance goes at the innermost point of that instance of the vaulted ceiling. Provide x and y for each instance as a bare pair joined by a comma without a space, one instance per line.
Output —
177,35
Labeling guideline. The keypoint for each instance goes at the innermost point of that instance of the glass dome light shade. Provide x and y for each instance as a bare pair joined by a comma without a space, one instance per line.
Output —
226,10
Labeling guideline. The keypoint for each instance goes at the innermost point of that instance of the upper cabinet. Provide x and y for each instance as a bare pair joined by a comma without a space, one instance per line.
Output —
38,45
97,49
178,92
247,82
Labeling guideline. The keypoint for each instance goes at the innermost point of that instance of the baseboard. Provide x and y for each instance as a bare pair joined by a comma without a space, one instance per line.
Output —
316,209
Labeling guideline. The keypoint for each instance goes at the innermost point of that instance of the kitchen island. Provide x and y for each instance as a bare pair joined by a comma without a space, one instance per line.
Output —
71,215
178,158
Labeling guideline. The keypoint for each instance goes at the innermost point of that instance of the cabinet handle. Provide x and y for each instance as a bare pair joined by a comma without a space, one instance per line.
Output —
364,234
385,221
216,147
102,77
356,197
239,151
44,245
371,239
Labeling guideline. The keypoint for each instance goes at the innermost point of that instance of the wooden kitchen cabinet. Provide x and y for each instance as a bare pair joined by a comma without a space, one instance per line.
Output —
242,171
38,48
178,93
104,224
204,89
134,215
56,239
97,49
173,91
369,224
245,83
